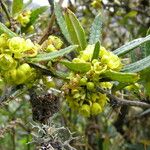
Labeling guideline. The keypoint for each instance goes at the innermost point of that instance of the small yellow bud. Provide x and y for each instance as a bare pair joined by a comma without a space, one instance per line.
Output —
83,81
50,48
55,41
85,110
96,109
90,86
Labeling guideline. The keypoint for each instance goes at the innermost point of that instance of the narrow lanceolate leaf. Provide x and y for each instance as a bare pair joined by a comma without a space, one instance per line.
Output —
4,29
77,67
147,45
75,29
35,15
95,33
96,51
121,77
131,45
138,66
17,6
61,21
27,3
119,86
52,55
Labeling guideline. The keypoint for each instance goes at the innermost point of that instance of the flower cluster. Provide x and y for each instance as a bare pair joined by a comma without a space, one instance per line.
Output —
24,18
13,69
53,43
81,92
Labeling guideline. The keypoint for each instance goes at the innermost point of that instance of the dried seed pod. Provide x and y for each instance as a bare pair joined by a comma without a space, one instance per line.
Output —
44,106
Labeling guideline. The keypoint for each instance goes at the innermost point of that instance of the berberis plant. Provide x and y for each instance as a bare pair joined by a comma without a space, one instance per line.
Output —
91,76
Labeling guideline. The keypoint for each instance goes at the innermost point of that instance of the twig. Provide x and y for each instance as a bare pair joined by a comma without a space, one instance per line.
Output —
5,10
47,32
52,20
121,102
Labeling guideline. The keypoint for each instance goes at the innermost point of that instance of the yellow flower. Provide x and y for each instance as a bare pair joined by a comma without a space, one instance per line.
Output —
96,109
87,54
17,44
85,110
106,85
24,18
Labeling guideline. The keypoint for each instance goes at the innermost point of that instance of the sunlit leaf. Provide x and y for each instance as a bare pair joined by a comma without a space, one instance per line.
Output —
35,15
61,21
96,51
121,77
131,14
17,6
131,45
75,29
77,67
95,33
4,29
52,55
138,66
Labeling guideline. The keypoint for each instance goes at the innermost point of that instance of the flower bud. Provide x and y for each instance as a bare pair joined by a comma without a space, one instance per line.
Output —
3,41
6,62
25,68
83,81
50,48
95,109
90,86
114,62
20,77
30,29
49,82
57,42
10,76
78,60
85,110
24,18
87,54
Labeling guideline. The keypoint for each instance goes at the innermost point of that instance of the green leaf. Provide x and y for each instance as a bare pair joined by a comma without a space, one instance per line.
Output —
145,80
4,29
61,21
75,29
119,86
35,15
131,14
17,6
95,33
96,51
137,66
121,77
77,67
27,3
147,45
52,55
131,45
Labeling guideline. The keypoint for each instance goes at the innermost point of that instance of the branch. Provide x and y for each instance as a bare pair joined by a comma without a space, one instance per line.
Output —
52,20
121,102
5,10
47,31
